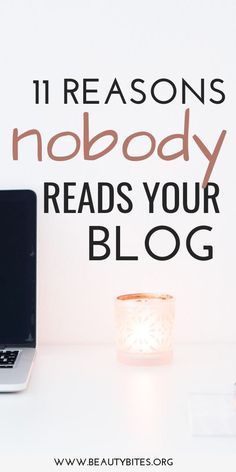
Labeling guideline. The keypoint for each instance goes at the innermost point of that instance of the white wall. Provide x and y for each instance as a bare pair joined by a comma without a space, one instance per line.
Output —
105,39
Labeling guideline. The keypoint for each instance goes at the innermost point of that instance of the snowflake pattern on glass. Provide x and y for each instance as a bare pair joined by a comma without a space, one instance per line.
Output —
145,323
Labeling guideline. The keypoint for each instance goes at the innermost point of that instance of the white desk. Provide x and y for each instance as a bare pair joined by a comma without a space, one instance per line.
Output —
82,403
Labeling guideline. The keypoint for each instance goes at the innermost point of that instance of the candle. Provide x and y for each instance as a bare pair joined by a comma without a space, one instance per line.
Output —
144,328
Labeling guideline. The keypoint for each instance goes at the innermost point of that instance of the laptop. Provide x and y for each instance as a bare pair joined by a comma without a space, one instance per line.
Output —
17,288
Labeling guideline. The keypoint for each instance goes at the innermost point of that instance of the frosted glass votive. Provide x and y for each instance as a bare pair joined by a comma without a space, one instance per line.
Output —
144,328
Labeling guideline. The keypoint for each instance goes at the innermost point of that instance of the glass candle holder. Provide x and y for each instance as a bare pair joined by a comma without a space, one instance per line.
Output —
144,328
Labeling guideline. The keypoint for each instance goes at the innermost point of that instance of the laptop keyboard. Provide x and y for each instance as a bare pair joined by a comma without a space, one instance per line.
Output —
7,359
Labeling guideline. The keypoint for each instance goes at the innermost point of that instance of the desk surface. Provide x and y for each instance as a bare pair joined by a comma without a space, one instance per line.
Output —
82,403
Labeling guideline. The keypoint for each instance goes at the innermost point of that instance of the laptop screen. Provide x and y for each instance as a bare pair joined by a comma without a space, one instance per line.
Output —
17,268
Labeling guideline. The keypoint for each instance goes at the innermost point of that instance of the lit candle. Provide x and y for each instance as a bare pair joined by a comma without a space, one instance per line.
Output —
144,328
